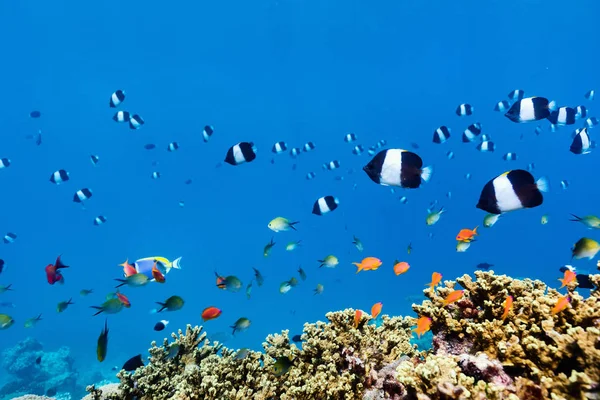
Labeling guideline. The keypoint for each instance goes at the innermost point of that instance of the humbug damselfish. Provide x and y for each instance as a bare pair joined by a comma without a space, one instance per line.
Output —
398,167
513,190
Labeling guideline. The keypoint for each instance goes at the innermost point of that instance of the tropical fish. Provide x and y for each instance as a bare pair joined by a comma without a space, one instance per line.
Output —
302,273
110,306
281,224
133,363
591,221
231,283
544,219
146,264
376,310
241,325
102,346
530,109
268,248
62,306
4,289
453,297
293,282
210,313
569,277
490,220
561,304
85,292
436,278
173,351
434,216
173,303
291,246
31,322
123,299
282,365
157,275
242,353
285,287
319,289
357,316
357,243
135,280
466,235
6,321
461,247
258,276
53,273
512,190
368,264
400,267
508,303
128,269
484,266
161,325
398,167
423,325
585,248
330,261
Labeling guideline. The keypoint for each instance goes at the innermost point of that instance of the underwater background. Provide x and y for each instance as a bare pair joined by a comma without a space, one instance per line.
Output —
268,71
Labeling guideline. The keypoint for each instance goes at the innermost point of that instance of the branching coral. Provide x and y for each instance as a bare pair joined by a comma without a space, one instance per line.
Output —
531,354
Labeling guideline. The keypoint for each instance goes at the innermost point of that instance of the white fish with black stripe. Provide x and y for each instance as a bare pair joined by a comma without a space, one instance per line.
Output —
325,205
510,157
516,95
512,190
4,163
350,137
590,94
82,195
530,109
173,146
471,132
9,238
591,122
309,146
99,220
358,150
136,122
562,116
398,167
121,116
331,165
117,98
295,152
310,176
464,110
581,112
564,184
582,144
502,106
241,153
486,146
279,147
59,176
207,132
441,134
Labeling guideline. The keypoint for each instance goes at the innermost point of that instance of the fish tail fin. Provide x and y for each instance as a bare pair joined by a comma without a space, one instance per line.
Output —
70,301
176,263
59,263
475,230
542,184
8,287
577,219
100,310
359,267
162,306
552,105
125,263
426,173
123,282
291,224
39,317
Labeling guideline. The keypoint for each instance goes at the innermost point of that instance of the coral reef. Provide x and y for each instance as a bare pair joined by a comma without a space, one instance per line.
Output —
530,354
54,371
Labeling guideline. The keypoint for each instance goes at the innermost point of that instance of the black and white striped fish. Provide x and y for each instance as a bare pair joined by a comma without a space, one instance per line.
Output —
59,176
530,109
441,134
117,98
240,153
325,205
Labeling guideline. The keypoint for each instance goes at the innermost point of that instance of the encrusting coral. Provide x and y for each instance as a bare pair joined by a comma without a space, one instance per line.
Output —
531,354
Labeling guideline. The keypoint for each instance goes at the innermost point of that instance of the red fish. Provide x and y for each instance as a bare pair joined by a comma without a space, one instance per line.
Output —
124,299
128,269
53,272
220,281
210,313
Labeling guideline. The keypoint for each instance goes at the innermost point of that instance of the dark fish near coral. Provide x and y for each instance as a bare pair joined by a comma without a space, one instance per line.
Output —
102,346
173,303
584,281
241,354
161,325
282,366
484,266
133,363
38,360
297,338
51,392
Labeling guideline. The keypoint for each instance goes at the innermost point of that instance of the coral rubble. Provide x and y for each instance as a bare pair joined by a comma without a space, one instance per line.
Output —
530,354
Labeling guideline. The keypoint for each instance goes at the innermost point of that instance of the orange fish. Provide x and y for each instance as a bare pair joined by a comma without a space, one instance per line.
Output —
569,277
157,275
357,317
210,313
423,325
507,307
466,235
400,267
128,269
123,299
376,309
220,281
436,278
453,296
368,264
561,304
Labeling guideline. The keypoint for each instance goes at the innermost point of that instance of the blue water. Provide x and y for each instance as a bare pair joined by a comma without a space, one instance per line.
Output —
267,71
